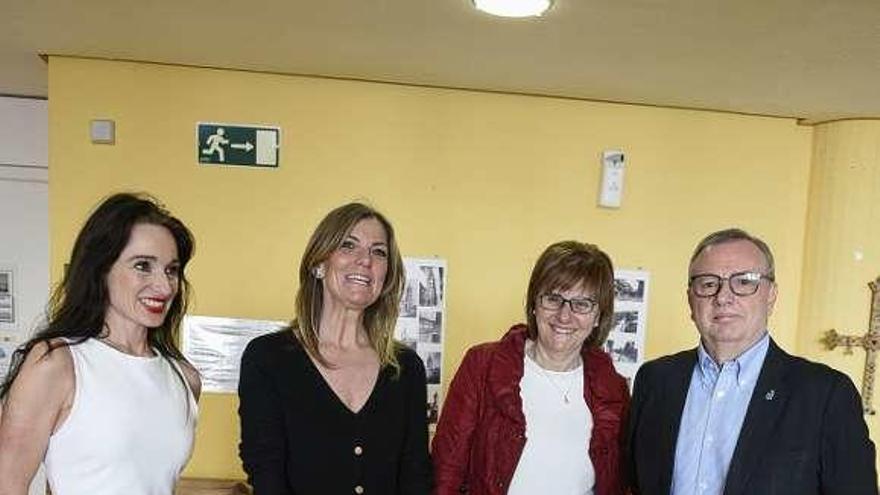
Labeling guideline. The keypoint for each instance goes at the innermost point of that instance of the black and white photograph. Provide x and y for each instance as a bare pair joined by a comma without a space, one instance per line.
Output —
433,363
7,309
7,297
625,352
408,331
433,404
629,289
430,286
409,300
430,325
625,322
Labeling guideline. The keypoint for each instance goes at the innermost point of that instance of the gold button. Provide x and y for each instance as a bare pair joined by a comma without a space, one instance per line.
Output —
358,450
359,489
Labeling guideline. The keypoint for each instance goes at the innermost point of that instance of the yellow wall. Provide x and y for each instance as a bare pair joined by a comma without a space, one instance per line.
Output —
485,181
842,245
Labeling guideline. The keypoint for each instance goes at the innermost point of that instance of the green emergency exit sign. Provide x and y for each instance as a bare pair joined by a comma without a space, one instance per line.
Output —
226,144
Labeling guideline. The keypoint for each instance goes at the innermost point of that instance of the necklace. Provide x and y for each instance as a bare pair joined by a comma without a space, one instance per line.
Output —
564,390
568,377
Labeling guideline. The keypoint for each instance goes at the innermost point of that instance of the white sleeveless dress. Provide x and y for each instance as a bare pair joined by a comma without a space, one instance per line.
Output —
130,429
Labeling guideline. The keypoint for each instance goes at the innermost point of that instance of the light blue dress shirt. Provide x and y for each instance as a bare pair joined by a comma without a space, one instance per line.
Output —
713,416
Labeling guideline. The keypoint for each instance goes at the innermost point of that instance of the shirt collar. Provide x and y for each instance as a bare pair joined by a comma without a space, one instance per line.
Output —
747,365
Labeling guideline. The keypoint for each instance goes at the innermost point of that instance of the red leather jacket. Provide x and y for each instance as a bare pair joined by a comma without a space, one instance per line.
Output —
481,433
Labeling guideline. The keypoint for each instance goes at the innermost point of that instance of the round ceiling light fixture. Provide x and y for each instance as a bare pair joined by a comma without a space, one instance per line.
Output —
513,8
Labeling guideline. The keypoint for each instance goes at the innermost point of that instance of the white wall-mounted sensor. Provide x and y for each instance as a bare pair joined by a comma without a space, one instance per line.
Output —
611,191
102,131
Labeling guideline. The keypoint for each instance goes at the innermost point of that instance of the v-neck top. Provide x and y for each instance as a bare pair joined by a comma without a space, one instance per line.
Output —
298,437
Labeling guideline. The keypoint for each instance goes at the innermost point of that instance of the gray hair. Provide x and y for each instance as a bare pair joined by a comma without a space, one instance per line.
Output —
734,234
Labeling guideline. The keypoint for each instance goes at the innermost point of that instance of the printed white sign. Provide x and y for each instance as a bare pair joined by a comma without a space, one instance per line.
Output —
214,346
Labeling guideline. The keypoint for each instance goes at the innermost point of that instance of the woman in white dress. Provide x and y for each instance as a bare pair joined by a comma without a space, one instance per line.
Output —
101,393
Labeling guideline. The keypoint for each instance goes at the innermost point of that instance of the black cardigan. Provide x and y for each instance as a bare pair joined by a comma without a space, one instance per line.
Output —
298,438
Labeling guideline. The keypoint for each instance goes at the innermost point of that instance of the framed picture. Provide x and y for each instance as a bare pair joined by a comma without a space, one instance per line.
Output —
7,296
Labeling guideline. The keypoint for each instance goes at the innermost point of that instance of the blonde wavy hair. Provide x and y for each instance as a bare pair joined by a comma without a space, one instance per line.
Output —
380,317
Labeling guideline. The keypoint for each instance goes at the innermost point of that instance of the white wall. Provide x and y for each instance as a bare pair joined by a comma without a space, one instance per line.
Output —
24,131
24,207
24,216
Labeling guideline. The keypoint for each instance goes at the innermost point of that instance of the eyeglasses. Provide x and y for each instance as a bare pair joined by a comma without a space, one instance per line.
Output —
741,284
555,302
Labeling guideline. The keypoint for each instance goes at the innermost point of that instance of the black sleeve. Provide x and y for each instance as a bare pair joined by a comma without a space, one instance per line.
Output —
263,447
848,457
628,461
415,463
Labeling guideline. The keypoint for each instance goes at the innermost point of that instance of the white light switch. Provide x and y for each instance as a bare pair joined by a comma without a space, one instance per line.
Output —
102,131
611,192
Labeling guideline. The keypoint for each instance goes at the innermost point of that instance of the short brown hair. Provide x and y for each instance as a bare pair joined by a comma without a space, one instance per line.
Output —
381,316
564,265
735,234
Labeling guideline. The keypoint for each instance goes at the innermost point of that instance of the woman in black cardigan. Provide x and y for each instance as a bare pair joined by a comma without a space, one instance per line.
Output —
333,404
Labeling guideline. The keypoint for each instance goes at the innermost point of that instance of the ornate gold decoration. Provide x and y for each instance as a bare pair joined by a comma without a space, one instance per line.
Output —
869,341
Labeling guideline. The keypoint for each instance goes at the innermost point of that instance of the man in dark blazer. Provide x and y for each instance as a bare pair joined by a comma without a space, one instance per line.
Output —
738,415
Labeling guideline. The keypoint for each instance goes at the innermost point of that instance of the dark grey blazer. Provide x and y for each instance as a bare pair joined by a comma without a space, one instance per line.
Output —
803,434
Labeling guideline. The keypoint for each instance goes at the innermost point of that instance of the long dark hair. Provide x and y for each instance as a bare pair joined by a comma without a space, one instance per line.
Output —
78,304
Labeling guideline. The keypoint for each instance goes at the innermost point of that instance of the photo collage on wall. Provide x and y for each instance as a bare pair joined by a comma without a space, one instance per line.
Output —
626,341
422,322
7,297
9,339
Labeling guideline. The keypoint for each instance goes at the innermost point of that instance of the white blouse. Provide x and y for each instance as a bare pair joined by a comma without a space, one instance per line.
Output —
558,428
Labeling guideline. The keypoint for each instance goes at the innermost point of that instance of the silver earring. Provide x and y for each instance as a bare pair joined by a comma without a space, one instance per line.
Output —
318,272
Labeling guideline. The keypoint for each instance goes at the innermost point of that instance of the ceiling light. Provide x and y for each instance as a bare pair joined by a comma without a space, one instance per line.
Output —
513,8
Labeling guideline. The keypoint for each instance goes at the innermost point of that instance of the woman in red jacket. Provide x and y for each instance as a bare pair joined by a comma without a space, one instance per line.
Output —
540,411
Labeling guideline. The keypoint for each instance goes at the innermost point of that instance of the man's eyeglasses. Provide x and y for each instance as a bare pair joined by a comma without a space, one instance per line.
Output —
741,284
555,302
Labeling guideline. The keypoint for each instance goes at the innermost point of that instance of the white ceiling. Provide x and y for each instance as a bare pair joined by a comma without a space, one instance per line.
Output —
812,59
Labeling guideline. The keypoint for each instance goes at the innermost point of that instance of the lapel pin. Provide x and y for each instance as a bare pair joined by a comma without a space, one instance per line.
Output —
770,395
